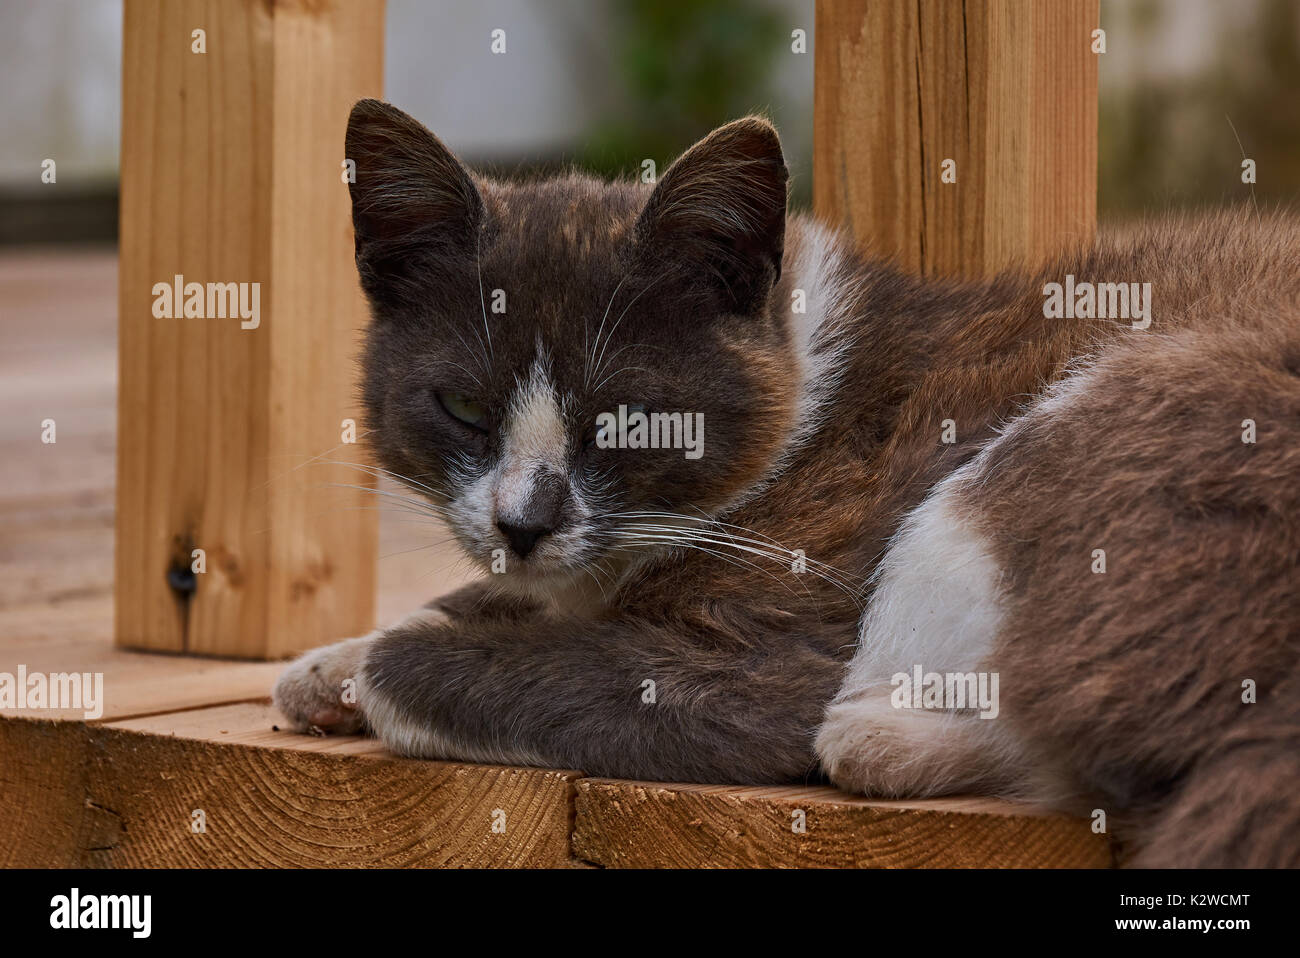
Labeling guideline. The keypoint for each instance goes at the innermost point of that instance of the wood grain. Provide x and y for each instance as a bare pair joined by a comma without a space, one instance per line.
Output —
42,781
647,825
124,795
1005,88
231,163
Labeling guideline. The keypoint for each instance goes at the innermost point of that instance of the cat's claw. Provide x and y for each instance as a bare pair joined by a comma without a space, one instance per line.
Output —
317,692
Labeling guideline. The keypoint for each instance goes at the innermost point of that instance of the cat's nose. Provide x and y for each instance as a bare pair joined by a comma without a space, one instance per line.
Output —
522,539
528,506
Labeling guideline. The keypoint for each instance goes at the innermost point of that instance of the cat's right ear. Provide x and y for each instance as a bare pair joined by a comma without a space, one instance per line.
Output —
413,203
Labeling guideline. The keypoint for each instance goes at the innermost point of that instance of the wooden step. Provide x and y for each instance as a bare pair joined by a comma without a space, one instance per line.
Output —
184,739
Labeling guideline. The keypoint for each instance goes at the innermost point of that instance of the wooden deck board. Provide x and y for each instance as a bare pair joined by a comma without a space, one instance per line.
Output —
180,733
129,794
654,825
278,799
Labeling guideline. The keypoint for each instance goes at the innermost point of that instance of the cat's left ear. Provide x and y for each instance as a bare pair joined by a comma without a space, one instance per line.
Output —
720,210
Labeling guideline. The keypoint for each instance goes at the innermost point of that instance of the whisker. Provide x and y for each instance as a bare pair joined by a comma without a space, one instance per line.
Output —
429,545
625,369
381,472
784,557
418,505
311,460
731,560
592,355
608,339
763,540
478,265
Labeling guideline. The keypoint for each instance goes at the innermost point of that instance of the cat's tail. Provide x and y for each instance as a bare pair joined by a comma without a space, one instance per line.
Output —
1238,807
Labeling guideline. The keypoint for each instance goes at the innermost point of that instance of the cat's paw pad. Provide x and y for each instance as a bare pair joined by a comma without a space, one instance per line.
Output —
318,691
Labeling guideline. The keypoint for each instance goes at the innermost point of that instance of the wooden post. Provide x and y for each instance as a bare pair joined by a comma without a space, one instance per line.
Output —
232,154
1007,89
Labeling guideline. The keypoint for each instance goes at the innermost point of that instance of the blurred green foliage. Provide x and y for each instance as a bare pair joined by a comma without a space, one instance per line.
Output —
1168,140
683,68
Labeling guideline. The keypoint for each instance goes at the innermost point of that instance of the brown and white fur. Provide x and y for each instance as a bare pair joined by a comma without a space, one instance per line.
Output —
650,623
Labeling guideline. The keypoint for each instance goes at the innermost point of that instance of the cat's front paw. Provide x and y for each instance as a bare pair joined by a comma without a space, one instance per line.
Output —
317,692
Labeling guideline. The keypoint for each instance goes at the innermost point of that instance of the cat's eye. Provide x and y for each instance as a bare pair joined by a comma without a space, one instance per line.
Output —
470,412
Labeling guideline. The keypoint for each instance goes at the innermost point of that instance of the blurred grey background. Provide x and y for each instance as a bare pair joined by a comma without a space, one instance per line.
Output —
607,83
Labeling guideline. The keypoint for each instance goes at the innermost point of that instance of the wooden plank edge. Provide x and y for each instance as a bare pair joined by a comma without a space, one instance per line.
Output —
112,795
650,825
102,796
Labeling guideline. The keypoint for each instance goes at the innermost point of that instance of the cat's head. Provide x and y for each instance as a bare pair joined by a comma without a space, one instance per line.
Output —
509,316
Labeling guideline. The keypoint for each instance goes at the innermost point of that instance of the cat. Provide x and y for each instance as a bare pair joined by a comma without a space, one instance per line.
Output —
1096,519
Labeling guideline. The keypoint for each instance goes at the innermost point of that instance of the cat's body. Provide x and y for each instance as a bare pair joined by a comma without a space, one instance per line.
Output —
899,442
